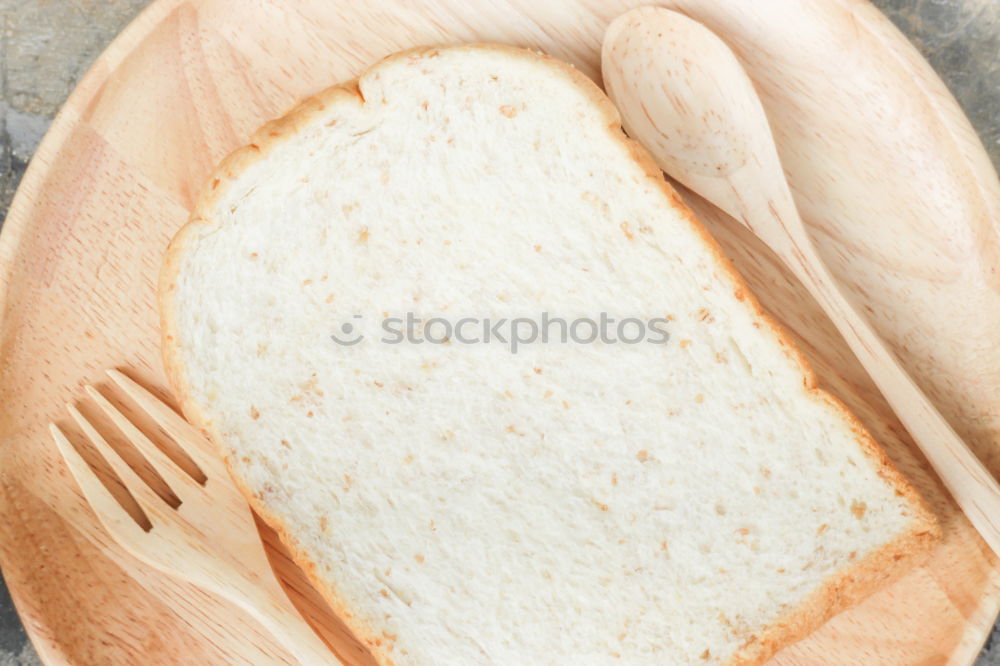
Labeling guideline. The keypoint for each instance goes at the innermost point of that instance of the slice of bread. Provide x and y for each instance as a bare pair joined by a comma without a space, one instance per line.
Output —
699,501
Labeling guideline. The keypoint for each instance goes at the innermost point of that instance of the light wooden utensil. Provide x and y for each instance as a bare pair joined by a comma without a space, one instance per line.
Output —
684,95
209,539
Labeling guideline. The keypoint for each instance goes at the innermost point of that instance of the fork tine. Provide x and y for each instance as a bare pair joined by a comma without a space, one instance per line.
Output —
182,432
112,514
151,503
175,476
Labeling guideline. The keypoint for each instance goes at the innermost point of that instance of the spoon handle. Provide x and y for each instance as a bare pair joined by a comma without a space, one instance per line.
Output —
970,483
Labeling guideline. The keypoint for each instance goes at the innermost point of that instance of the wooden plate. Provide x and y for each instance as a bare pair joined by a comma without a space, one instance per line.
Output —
888,173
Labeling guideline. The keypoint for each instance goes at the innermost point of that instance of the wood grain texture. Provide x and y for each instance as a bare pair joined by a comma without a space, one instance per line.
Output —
902,202
184,516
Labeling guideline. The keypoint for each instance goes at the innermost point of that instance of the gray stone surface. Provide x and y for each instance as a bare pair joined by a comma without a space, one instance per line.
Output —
46,45
15,649
961,39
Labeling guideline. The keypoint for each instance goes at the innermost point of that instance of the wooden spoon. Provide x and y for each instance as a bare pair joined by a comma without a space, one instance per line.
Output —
683,94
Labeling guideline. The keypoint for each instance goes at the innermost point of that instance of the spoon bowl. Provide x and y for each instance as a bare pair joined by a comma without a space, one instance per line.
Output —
709,146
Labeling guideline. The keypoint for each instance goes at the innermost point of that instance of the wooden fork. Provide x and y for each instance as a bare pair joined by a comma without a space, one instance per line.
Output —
210,539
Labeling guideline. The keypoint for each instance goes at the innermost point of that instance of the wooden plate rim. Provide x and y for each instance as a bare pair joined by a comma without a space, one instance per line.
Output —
17,224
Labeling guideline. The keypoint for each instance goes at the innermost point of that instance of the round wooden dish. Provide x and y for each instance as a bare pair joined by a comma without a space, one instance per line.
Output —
875,148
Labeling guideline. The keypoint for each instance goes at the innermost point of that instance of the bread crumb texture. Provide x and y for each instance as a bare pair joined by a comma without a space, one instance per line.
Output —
568,504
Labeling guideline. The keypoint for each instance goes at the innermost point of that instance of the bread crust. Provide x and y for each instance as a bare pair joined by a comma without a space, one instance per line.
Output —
839,592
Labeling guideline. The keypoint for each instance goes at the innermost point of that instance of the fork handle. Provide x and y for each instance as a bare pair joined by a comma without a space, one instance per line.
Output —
267,602
971,485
